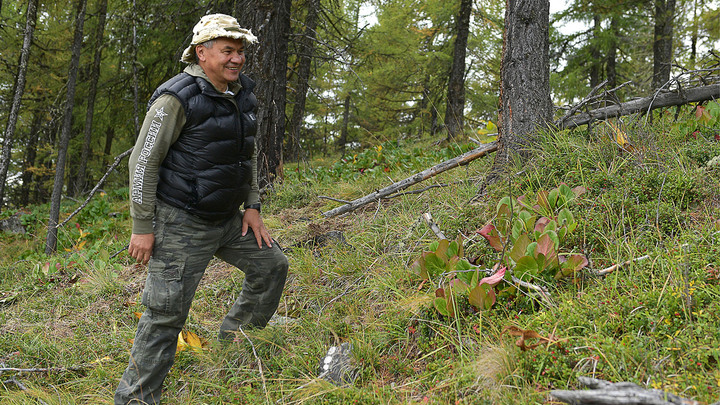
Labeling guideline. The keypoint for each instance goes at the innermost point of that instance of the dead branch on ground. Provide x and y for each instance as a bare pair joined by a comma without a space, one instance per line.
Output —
463,159
604,392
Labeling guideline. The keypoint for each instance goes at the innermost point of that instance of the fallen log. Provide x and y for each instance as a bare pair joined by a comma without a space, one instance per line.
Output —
603,392
465,158
691,95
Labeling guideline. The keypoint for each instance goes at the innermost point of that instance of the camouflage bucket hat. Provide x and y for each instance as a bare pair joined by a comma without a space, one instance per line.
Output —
216,26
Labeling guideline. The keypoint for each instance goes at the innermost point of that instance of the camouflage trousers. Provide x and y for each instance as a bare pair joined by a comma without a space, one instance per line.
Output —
184,245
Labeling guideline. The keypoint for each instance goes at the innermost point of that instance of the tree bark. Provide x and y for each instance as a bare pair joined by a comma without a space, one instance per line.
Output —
92,92
525,105
51,241
30,20
305,52
344,130
662,45
267,65
30,157
454,112
611,65
595,63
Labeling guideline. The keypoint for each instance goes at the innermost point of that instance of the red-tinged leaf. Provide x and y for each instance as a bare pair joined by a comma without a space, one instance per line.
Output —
490,233
495,279
541,224
419,268
579,190
440,293
574,263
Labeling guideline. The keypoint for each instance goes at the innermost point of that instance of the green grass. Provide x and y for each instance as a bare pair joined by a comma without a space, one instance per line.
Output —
653,322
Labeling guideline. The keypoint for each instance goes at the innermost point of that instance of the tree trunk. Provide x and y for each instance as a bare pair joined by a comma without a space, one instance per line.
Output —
306,49
109,135
30,157
525,105
30,21
611,66
454,112
595,63
92,92
346,121
51,241
267,65
662,46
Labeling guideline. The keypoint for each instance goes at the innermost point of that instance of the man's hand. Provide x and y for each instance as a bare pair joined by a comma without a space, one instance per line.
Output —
252,219
141,246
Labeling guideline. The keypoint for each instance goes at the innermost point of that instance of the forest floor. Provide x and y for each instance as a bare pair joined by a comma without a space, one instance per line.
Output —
67,321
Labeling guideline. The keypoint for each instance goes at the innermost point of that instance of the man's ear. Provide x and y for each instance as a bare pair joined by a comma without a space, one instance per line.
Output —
200,52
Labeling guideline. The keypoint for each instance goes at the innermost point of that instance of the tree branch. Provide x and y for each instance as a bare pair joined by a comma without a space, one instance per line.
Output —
97,186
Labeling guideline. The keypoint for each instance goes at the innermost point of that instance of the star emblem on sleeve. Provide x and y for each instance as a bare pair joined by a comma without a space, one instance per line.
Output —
160,113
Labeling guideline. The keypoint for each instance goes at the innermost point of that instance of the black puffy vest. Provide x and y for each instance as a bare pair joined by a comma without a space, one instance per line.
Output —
208,170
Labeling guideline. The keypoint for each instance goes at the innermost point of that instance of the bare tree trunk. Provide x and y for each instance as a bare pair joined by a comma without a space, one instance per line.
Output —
344,131
525,105
136,90
51,241
109,136
595,63
267,65
662,46
30,20
305,54
92,92
30,158
454,112
611,66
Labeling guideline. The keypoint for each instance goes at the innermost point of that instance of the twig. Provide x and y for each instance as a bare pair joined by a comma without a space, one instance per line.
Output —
262,375
334,199
119,251
584,101
427,217
544,293
97,186
614,267
22,387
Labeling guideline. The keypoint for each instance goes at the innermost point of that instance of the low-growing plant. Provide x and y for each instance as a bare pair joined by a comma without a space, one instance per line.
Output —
456,278
531,233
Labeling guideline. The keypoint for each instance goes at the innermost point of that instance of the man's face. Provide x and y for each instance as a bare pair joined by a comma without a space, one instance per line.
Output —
223,61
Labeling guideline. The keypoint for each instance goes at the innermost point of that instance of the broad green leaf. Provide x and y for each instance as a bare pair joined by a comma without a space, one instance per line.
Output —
434,265
565,217
526,265
452,249
434,245
440,305
459,286
466,276
442,249
553,199
519,247
530,251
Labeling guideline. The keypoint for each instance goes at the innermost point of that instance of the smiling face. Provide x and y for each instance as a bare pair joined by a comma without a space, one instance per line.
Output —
222,60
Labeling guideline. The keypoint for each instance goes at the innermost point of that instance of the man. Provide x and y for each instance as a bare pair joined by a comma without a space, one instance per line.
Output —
193,166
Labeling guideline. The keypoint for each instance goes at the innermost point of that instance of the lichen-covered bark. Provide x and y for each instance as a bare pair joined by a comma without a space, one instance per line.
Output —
525,105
